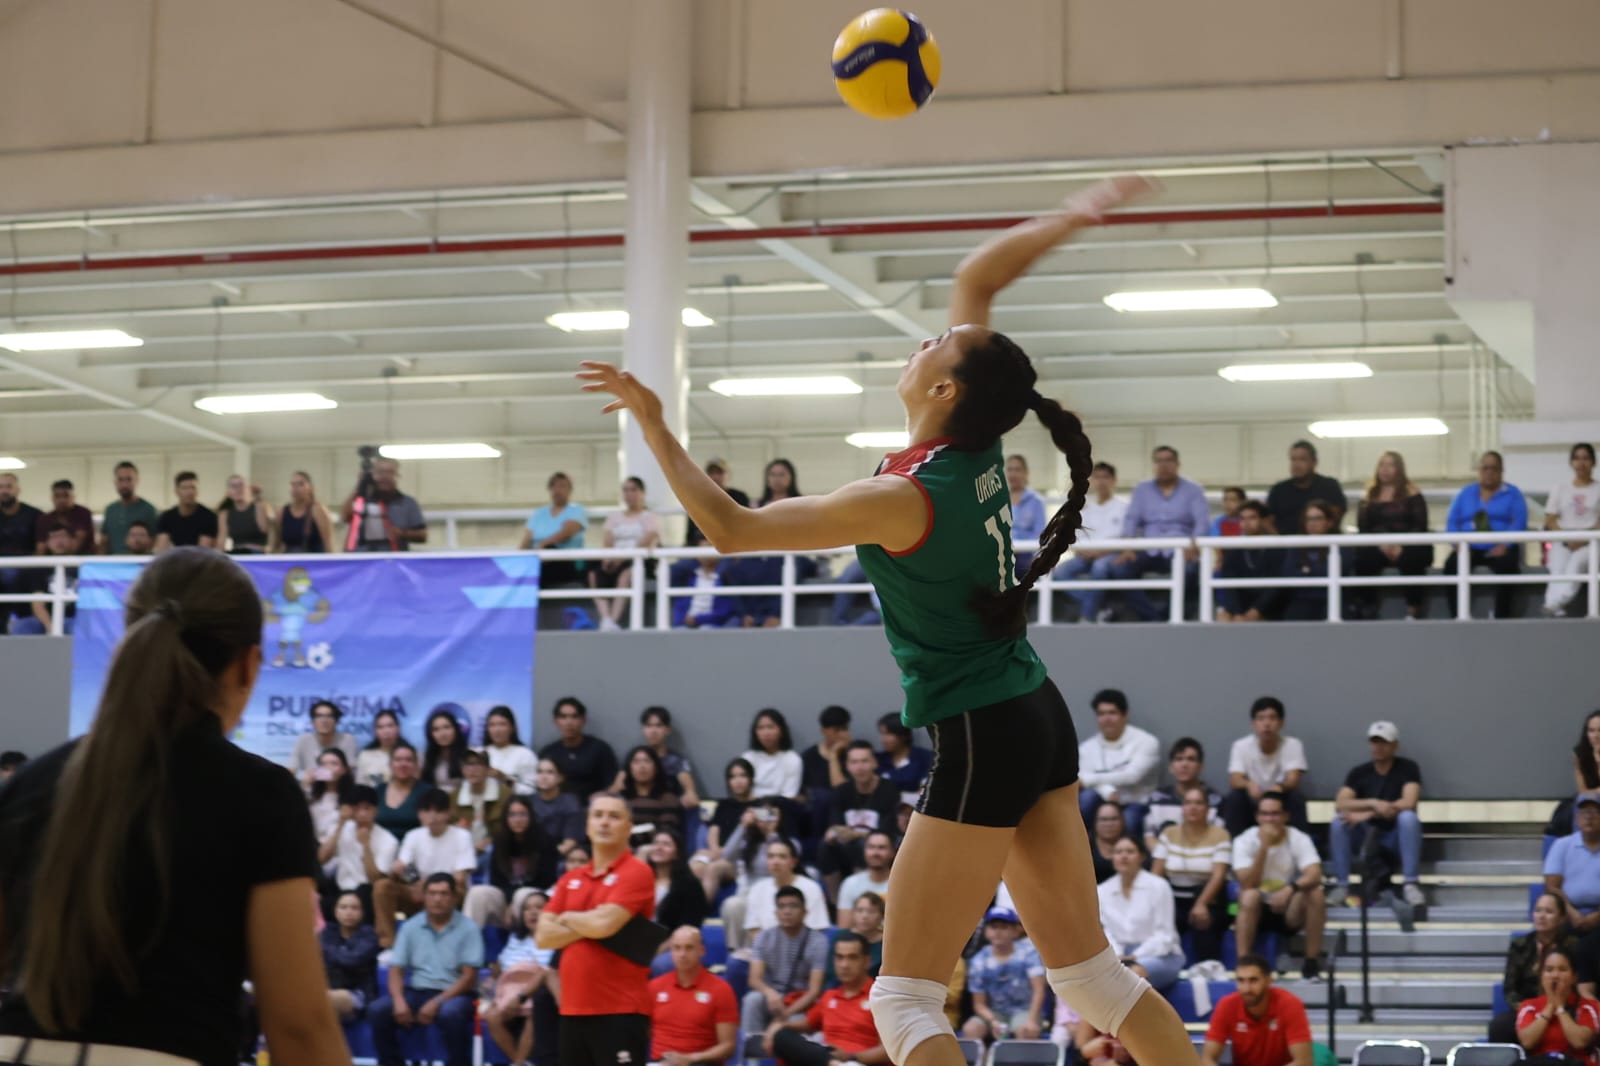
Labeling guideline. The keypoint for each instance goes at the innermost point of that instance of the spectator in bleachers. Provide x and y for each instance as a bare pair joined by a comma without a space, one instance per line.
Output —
189,524
656,725
1585,770
433,974
325,734
771,752
779,482
480,801
1226,524
1027,507
866,921
522,971
717,471
10,763
575,859
680,900
1302,603
66,509
1186,762
1267,1026
1280,883
878,859
1287,499
125,510
523,856
783,871
1193,855
1391,504
1137,910
763,611
330,792
1165,506
900,761
1108,827
140,540
511,762
398,799
1490,504
33,618
350,956
768,822
372,761
848,1031
715,864
303,525
435,847
822,765
559,812
786,965
646,790
708,608
1006,979
864,804
1525,963
392,521
244,521
632,527
1560,1025
443,757
1121,762
1572,873
1265,761
1571,505
558,525
588,765
694,1017
1103,515
1248,604
361,851
1380,796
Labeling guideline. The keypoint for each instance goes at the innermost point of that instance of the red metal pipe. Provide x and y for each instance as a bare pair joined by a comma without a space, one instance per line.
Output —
611,240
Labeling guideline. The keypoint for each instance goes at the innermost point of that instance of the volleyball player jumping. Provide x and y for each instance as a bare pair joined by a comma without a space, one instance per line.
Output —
933,531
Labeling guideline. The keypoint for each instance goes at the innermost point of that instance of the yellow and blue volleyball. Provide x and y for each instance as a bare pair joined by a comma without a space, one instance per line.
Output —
885,63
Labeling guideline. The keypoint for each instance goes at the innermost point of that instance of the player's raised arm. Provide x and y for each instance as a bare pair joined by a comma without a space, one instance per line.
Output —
1003,258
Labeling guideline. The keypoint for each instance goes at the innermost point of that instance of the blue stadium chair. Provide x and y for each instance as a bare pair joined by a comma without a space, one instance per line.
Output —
716,941
1181,996
1549,842
1026,1053
1500,1004
1485,1055
737,974
1534,892
494,942
661,964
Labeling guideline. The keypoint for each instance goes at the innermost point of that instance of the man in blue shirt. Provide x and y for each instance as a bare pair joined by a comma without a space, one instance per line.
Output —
433,975
1572,875
1165,506
1027,508
1491,504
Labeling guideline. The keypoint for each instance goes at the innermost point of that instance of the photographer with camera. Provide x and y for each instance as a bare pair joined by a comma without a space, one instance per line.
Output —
380,517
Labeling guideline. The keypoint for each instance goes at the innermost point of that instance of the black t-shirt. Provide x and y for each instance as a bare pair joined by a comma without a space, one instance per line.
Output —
874,810
814,771
590,767
1286,500
17,531
727,815
238,821
185,532
1368,784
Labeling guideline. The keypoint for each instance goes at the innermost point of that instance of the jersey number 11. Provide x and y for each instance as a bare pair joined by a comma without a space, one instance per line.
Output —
999,527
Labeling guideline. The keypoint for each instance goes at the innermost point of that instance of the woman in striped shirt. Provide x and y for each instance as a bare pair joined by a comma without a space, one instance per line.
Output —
1193,856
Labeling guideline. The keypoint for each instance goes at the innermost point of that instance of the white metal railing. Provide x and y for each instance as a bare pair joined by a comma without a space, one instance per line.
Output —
1206,551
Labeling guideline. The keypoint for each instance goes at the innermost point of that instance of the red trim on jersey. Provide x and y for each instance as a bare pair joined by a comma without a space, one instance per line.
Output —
906,464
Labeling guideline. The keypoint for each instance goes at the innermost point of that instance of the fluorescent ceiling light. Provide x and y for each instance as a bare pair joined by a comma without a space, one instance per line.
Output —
68,339
894,438
596,321
472,450
260,403
1381,427
1295,371
822,385
11,462
1191,300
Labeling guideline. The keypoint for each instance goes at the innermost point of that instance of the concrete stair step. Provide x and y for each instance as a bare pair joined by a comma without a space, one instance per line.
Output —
1525,845
1477,942
1404,993
1529,869
1508,916
1439,1037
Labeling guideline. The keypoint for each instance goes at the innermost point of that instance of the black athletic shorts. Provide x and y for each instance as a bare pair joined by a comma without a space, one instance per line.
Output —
604,1040
991,764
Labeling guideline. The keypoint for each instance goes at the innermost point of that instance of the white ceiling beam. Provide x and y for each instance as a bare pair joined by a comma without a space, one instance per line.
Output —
83,386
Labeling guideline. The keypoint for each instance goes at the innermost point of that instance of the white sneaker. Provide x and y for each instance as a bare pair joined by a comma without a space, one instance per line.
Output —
1553,612
608,625
1411,892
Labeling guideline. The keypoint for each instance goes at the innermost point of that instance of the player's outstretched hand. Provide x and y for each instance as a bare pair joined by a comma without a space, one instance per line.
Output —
630,394
1102,196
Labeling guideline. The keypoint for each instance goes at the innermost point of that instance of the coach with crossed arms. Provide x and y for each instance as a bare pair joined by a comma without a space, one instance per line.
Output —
605,998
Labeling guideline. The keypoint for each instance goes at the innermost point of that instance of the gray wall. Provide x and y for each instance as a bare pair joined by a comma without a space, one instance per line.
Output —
1489,710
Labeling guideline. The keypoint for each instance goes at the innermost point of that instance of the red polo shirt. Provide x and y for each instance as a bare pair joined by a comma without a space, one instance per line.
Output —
844,1020
594,979
685,1019
1260,1041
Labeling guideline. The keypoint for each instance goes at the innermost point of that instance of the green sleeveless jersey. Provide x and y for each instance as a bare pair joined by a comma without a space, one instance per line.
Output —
947,663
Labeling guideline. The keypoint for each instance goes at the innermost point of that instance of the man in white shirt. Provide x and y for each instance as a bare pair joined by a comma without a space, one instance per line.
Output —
1265,761
1102,519
878,848
361,851
1121,763
434,848
1280,883
783,864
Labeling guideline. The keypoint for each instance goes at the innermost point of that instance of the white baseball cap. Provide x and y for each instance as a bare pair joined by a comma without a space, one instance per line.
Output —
1384,731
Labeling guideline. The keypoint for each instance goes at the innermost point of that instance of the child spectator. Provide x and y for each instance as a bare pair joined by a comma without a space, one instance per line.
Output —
350,955
1136,908
1006,979
777,765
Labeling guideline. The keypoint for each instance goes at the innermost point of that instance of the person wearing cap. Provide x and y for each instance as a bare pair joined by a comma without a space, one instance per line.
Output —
1381,797
1006,979
1572,875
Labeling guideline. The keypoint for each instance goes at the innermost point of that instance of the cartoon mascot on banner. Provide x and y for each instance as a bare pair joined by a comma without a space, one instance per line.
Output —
294,607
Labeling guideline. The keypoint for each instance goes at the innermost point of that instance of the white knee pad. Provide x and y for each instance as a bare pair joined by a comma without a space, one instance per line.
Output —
908,1011
1102,990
